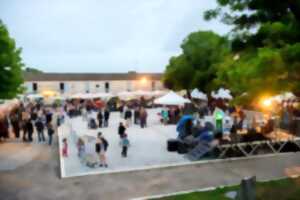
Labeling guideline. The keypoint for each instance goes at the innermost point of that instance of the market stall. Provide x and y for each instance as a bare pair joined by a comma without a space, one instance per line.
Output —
171,99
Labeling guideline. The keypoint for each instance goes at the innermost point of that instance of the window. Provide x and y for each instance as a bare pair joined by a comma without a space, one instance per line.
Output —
106,86
34,87
153,85
62,86
128,86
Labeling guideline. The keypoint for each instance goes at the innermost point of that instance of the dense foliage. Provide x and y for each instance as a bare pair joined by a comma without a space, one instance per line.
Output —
10,65
197,65
264,57
266,36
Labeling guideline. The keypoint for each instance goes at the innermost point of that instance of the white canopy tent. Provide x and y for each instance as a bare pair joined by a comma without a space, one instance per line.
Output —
34,96
196,94
126,95
141,93
284,97
91,96
158,93
103,95
221,94
171,99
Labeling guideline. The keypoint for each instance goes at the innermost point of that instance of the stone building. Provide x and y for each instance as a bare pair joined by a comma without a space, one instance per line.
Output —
72,83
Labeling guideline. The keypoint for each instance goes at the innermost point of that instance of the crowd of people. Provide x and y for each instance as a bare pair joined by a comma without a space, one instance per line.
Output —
23,121
139,115
35,121
100,119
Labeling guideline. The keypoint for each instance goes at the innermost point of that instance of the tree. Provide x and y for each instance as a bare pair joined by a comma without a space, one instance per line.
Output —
32,70
197,65
266,36
10,65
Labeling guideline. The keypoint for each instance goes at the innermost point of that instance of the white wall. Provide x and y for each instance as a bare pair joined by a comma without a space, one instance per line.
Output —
72,87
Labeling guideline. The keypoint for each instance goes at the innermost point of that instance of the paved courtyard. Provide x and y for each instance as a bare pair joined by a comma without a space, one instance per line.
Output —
35,175
147,149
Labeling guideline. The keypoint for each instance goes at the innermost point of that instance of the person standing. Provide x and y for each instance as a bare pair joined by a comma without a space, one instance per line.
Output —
136,116
15,124
128,116
106,117
29,128
100,118
65,148
121,129
165,116
101,148
40,129
3,127
48,116
143,117
50,133
124,144
80,148
25,117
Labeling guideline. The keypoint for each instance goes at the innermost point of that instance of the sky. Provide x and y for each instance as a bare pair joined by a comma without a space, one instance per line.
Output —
103,35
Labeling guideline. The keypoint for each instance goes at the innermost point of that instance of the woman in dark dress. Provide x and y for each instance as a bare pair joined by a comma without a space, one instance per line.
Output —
15,124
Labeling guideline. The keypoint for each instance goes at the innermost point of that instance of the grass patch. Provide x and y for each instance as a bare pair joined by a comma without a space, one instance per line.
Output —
284,189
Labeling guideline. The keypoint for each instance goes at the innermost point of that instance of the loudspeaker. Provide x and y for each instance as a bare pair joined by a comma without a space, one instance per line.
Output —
182,148
172,145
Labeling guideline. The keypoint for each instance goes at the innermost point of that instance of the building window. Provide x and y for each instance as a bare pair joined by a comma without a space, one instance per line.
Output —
153,85
34,87
62,87
107,87
128,86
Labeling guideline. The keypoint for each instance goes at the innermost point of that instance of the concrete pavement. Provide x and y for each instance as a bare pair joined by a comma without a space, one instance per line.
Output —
39,178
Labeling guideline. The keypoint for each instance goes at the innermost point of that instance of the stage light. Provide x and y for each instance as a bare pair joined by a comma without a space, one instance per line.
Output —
144,80
267,103
49,93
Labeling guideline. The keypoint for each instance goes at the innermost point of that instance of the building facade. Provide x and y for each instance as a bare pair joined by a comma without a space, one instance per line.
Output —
72,83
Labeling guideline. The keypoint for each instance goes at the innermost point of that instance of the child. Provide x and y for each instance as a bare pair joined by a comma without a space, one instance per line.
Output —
101,148
80,148
124,144
65,148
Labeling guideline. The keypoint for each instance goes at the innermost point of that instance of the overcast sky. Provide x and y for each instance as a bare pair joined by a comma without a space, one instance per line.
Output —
103,35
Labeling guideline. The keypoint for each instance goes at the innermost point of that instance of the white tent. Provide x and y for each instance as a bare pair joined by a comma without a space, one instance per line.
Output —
158,93
140,93
102,95
91,95
222,94
126,95
284,97
78,96
171,99
34,96
196,94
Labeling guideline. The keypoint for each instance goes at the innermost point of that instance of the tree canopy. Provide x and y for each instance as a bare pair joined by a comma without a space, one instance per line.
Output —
263,56
266,36
197,65
10,65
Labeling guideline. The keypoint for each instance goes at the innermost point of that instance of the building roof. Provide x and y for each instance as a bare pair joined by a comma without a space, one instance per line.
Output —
28,76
